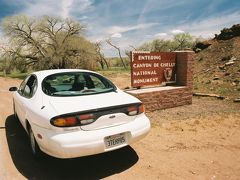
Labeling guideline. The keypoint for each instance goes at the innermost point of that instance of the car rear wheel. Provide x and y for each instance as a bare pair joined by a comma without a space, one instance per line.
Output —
14,110
33,144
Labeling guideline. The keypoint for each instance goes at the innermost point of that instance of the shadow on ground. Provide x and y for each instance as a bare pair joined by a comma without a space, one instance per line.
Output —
92,167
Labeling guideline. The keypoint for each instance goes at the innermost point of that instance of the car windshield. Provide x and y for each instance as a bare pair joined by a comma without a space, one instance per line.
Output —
76,84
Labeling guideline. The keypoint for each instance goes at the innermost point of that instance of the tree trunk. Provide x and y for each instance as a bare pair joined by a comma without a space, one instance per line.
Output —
102,64
105,62
121,59
119,52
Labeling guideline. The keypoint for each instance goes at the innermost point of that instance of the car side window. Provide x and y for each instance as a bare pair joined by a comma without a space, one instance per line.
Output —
34,86
97,82
22,85
28,87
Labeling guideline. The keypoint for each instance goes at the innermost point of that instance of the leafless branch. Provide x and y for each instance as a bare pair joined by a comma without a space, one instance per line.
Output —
119,51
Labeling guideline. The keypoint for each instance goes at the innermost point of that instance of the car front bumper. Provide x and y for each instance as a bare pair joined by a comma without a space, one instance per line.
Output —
83,143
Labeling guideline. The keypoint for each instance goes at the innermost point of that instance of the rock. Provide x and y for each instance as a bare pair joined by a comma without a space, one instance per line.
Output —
208,82
229,33
213,177
237,100
207,70
202,45
236,81
209,95
229,63
229,58
226,58
227,98
200,59
193,172
222,67
227,74
233,59
216,78
197,50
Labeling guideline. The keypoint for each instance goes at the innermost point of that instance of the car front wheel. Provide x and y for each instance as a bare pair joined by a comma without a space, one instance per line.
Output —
33,144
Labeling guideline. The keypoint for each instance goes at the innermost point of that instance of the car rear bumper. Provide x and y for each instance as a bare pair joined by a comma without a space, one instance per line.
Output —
83,143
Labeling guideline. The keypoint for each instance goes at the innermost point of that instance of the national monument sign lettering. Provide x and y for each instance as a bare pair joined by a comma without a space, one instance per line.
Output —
152,68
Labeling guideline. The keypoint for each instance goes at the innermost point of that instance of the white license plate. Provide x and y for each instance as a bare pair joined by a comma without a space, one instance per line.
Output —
115,140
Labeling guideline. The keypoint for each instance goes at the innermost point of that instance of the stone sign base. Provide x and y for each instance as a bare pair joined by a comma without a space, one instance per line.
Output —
163,97
155,98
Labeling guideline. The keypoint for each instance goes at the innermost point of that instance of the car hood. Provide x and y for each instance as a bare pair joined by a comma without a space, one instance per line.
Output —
64,105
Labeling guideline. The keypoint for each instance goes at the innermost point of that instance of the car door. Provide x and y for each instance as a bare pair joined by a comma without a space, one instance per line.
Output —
24,96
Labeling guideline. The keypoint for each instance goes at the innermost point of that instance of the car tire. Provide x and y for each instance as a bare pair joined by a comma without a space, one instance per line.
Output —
37,153
14,110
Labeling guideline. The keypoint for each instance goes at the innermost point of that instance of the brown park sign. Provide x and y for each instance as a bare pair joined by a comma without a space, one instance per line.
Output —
152,68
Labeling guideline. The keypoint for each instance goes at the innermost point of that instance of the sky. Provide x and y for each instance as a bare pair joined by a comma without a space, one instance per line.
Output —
132,22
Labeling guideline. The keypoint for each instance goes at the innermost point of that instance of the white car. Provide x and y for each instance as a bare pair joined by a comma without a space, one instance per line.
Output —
72,113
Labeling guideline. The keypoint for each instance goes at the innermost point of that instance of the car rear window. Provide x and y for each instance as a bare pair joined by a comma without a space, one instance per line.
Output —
76,84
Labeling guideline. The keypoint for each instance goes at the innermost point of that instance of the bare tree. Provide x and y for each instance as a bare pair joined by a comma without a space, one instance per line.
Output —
179,42
101,59
127,51
183,41
134,48
119,52
45,42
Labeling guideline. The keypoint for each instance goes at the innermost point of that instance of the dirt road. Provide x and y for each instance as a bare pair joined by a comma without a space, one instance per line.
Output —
200,141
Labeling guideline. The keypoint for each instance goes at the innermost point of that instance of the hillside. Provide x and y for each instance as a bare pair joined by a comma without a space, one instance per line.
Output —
217,68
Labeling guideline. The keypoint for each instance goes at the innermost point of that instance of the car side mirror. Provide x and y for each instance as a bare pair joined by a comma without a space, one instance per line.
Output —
13,89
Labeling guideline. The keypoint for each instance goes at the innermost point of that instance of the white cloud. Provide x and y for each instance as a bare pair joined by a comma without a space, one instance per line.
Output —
160,34
44,7
117,35
84,5
66,6
81,7
123,29
210,26
146,21
61,8
83,18
123,45
177,31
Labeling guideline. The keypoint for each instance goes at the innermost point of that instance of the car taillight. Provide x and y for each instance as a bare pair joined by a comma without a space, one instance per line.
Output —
134,110
82,119
86,118
141,109
65,121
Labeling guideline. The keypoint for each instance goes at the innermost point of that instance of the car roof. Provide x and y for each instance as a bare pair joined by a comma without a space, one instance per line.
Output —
46,73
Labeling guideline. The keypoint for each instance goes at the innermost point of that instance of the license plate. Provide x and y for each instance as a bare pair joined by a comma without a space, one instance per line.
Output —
115,140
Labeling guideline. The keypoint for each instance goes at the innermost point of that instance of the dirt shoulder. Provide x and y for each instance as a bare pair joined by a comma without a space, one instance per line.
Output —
199,141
